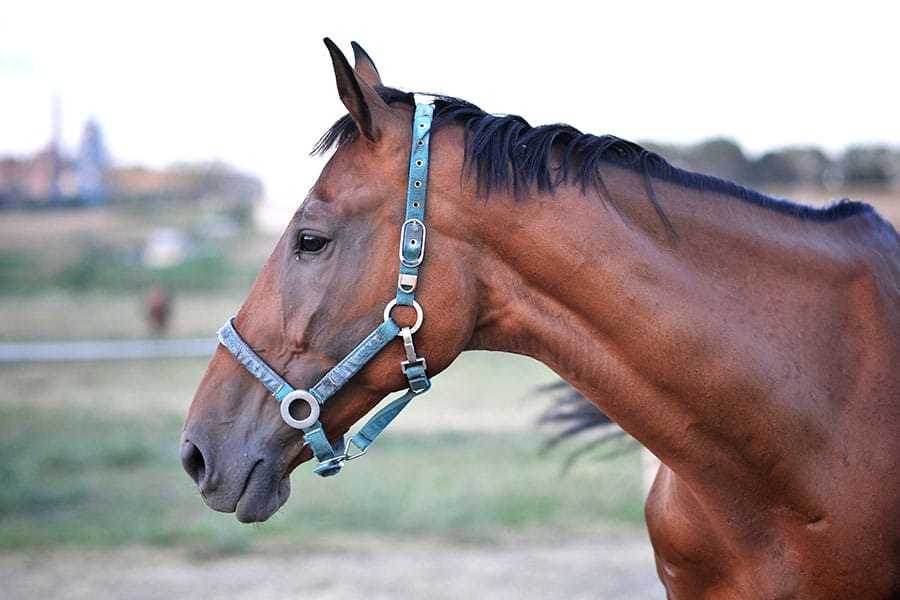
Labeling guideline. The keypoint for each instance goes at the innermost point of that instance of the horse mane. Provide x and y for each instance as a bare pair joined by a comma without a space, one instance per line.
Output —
507,154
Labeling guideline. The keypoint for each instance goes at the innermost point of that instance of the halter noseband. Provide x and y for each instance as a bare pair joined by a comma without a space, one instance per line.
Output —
331,457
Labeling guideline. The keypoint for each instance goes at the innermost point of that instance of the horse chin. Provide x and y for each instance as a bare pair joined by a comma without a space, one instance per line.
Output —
262,497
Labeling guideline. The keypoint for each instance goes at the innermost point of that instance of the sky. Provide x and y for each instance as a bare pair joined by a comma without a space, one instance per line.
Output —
251,84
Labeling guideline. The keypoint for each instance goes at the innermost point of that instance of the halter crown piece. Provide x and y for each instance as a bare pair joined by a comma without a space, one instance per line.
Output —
332,456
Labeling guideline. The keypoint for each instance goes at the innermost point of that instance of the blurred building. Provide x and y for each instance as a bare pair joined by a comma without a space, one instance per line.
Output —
51,177
91,165
31,180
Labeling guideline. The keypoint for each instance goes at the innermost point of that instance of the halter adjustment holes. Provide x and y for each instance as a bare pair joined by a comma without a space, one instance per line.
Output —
310,243
419,163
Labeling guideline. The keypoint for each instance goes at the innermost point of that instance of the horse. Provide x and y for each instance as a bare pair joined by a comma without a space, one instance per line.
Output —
751,343
158,302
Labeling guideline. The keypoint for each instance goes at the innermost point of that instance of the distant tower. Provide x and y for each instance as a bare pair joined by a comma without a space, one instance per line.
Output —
54,157
92,162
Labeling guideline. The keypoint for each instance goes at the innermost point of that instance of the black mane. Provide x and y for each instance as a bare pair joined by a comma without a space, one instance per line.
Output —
508,154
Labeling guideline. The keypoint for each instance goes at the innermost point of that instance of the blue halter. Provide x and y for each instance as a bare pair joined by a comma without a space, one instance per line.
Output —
332,456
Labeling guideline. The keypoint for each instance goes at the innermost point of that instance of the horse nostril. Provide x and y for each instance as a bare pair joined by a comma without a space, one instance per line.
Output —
193,462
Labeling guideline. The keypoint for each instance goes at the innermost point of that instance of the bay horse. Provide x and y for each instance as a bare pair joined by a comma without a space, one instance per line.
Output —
158,309
751,343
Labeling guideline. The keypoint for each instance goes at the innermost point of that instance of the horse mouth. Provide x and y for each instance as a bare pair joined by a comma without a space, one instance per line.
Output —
263,494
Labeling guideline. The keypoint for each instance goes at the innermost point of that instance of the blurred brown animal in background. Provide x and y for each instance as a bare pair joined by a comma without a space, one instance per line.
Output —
158,309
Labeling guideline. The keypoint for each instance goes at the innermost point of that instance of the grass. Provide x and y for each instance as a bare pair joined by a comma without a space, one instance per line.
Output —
89,265
93,461
66,315
101,249
85,479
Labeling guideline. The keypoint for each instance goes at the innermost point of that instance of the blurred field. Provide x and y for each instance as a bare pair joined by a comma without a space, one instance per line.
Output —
90,457
64,315
454,499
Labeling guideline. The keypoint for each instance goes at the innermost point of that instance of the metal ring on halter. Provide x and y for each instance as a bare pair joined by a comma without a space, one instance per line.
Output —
313,409
420,316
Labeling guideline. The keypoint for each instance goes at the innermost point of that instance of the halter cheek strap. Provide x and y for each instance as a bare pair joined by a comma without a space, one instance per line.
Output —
332,455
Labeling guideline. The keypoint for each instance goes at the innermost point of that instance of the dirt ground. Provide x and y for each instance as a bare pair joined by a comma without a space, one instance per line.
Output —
617,565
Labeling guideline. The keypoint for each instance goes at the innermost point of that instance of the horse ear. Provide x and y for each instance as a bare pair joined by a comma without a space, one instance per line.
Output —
365,66
366,107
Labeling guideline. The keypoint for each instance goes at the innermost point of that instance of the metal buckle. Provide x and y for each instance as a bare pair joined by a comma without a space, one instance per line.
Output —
310,400
408,239
405,365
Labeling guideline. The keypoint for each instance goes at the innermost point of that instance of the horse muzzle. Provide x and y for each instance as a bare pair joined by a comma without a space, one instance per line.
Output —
243,483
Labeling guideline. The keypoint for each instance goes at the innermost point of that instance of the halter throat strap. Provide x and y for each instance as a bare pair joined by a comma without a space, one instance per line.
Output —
333,455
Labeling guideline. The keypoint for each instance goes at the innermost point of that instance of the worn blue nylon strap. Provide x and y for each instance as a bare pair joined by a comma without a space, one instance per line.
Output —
251,361
380,420
351,364
417,379
412,237
330,383
324,450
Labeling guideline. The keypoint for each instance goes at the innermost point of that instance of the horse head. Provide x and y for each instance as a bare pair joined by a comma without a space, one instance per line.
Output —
323,289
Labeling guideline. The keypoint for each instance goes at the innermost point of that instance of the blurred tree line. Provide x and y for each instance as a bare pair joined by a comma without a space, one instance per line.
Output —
184,182
869,166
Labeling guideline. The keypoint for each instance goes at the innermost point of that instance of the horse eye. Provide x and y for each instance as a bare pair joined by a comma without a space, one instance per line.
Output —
311,244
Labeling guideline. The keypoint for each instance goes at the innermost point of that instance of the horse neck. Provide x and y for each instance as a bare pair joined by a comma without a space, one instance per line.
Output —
640,321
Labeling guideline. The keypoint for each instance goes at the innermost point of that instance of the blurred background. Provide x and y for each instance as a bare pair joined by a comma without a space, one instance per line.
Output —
150,154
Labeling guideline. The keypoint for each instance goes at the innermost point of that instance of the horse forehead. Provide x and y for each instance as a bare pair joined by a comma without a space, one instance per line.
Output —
359,178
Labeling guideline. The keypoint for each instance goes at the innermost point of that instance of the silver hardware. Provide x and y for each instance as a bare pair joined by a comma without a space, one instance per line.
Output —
313,409
348,457
342,458
424,98
415,262
406,283
420,316
411,357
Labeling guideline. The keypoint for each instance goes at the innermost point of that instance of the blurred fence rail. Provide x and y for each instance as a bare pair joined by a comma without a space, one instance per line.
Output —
11,352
